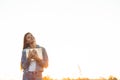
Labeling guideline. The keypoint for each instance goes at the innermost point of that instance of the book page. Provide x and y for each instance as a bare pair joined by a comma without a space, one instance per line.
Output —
39,52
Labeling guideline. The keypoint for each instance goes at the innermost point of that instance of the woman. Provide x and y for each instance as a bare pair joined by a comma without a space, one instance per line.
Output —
32,64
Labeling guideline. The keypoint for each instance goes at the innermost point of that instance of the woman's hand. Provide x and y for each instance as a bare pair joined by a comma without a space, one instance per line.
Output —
35,55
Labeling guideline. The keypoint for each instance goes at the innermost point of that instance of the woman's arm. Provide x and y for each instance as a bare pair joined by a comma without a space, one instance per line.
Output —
42,62
45,58
24,61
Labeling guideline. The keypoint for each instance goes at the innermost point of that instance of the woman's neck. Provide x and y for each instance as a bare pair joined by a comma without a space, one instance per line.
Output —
33,45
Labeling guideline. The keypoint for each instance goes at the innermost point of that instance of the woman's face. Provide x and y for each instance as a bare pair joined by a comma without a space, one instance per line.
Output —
30,38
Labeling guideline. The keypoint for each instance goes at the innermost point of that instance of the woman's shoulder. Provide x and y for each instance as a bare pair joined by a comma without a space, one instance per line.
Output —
41,47
24,51
38,46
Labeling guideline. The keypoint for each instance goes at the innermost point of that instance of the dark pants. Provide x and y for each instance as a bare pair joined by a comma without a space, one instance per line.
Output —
32,75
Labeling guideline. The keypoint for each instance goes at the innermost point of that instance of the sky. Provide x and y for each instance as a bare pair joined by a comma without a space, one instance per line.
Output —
81,37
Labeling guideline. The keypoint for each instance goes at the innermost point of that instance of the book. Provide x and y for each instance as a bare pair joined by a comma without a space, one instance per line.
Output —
38,50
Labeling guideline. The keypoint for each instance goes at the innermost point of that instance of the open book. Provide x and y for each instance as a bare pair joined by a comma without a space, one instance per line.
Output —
38,50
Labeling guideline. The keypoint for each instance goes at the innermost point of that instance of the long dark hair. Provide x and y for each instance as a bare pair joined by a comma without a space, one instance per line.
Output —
25,44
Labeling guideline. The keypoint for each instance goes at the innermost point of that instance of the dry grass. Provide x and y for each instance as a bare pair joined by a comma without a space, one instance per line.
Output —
110,78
